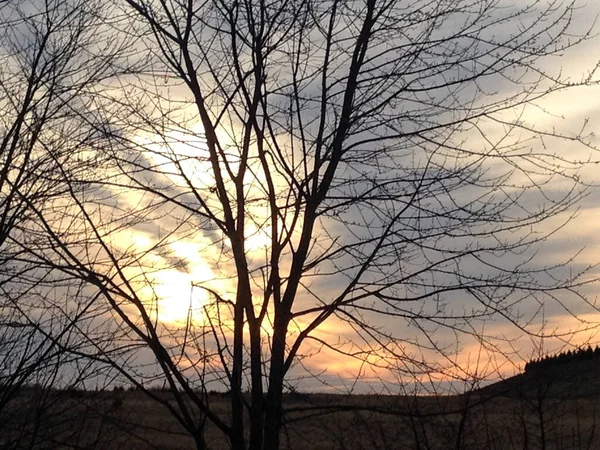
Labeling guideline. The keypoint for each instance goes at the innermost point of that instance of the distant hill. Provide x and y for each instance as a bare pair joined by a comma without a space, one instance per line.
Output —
570,374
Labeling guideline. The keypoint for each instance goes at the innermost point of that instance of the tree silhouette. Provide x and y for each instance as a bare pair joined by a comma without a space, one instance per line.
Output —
341,179
49,62
563,358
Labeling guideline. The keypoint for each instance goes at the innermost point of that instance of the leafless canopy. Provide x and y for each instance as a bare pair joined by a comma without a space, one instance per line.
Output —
343,177
50,61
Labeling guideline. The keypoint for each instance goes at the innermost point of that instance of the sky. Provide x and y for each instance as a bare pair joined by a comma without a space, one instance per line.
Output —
176,266
566,319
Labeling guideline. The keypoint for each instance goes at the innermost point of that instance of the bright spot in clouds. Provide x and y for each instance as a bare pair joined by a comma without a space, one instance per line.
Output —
170,290
178,299
178,292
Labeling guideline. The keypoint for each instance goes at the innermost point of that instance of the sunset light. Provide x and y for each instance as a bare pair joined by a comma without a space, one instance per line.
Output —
298,224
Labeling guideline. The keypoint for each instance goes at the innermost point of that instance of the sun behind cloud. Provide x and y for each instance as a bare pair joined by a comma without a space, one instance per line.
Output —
178,299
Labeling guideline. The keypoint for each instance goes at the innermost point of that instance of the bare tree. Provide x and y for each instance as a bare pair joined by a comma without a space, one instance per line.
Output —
353,179
52,55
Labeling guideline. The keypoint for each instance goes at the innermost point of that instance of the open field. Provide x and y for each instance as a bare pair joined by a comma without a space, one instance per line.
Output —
129,419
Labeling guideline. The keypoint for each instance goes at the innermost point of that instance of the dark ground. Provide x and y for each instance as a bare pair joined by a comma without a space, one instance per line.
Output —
554,410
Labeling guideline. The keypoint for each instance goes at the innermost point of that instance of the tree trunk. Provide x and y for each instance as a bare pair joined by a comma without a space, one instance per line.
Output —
273,407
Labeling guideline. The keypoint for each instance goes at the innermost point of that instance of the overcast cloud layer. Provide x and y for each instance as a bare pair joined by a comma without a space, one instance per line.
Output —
566,320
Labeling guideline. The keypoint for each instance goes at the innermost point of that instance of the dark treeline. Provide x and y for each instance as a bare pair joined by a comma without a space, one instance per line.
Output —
550,361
